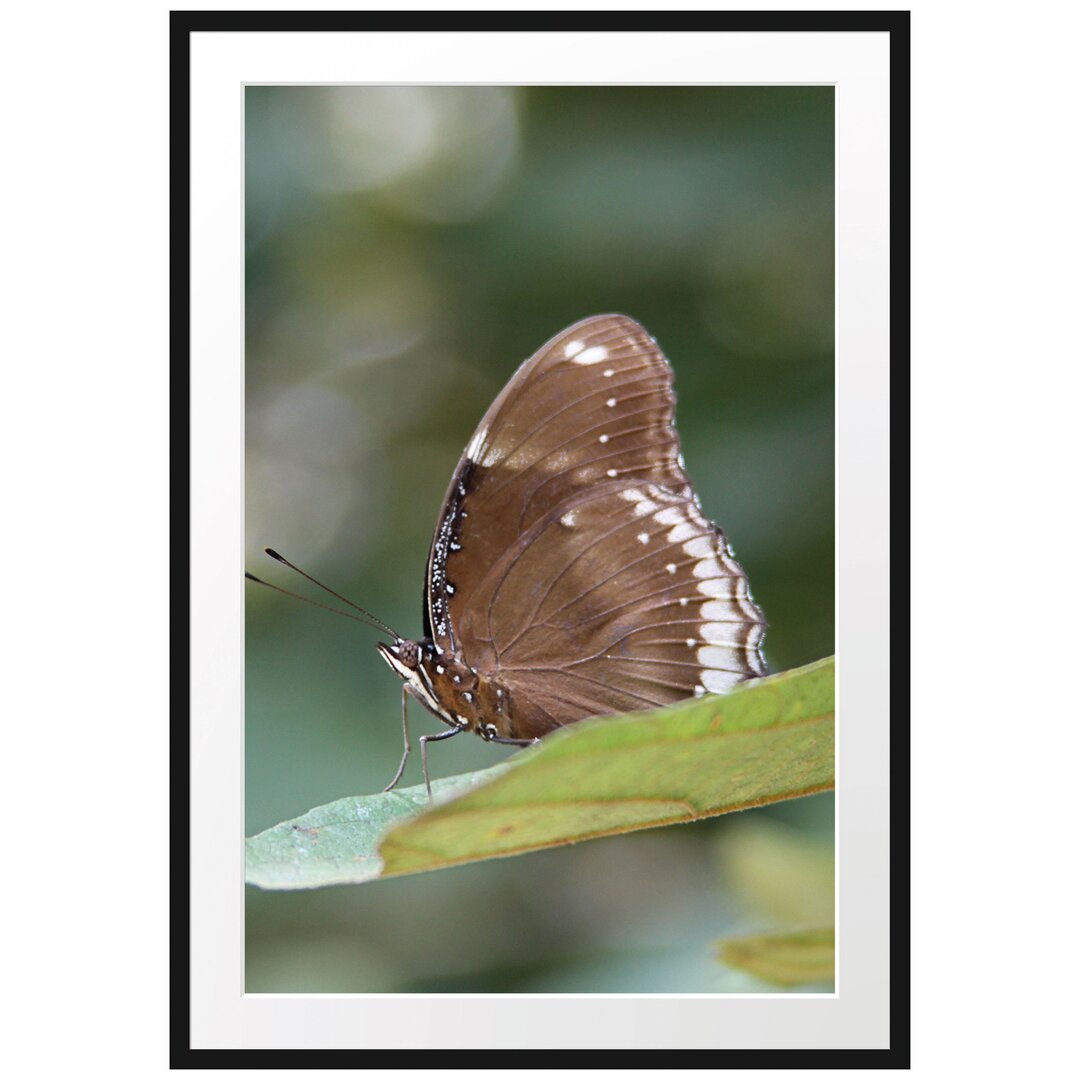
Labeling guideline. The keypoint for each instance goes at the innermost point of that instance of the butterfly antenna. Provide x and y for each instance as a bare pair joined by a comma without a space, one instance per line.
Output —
375,622
315,603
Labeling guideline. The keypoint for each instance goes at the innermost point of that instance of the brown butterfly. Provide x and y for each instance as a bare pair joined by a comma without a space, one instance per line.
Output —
572,572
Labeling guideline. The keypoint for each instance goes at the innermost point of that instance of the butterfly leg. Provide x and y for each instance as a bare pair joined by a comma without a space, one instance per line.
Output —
513,742
424,740
405,731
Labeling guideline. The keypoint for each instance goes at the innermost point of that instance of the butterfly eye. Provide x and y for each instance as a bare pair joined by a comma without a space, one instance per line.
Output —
408,653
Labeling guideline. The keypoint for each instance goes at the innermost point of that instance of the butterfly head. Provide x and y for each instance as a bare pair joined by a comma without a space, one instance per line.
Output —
414,662
403,656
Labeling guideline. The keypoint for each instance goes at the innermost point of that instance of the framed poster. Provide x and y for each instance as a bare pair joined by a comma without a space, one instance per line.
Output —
378,222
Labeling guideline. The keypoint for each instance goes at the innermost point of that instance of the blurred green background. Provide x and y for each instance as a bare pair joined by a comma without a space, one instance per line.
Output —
407,248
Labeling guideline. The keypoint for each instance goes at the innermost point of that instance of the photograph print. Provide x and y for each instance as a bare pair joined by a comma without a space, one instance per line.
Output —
540,396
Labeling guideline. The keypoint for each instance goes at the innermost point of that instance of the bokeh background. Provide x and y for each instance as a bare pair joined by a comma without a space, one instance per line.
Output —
407,248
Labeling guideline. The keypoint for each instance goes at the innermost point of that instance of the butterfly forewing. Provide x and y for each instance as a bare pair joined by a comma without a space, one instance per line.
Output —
571,558
596,400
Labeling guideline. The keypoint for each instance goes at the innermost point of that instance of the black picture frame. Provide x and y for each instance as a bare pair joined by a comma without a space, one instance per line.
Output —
185,23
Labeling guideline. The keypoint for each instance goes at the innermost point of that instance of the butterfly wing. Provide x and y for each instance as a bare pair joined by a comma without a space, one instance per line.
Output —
571,557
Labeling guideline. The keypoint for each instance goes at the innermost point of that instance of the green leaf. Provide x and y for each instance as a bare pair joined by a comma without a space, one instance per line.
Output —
768,740
338,844
789,959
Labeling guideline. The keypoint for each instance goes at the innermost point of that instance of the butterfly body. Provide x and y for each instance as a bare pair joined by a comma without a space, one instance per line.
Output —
572,572
454,691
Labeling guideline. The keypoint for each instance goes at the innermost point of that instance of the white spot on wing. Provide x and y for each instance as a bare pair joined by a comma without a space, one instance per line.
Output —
573,348
701,547
632,495
681,532
604,438
671,570
722,588
567,519
719,633
716,656
747,607
719,681
643,538
729,564
670,516
472,451
492,455
613,472
590,356
608,372
719,611
611,402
